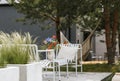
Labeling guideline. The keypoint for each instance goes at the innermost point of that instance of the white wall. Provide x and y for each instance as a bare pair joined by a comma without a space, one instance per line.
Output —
101,46
34,72
31,72
79,35
9,74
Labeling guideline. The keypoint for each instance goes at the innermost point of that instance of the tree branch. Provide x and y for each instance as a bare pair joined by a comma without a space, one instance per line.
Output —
51,17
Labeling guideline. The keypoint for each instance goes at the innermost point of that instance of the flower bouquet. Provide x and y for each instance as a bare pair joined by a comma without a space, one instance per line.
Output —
50,42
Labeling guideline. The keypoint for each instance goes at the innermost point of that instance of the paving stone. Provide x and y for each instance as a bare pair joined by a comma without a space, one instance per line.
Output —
116,77
84,76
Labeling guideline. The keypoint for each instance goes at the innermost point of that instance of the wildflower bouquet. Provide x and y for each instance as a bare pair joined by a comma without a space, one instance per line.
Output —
50,42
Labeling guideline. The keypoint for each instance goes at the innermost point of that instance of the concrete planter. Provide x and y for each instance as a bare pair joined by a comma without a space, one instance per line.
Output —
9,74
29,72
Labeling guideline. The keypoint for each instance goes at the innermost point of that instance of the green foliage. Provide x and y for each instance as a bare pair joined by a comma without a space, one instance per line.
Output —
101,68
14,54
16,38
36,10
89,14
41,10
11,52
83,12
116,68
95,68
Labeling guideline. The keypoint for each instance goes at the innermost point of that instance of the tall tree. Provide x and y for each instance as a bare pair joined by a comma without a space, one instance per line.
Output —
111,16
54,10
70,13
40,10
89,14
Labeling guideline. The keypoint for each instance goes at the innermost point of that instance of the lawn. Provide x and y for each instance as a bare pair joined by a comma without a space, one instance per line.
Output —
96,68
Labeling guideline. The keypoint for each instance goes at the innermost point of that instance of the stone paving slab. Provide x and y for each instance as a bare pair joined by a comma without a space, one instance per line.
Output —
84,76
116,77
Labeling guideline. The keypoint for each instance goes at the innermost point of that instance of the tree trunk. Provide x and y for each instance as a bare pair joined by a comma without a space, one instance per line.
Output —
108,34
119,39
57,28
114,33
69,33
69,28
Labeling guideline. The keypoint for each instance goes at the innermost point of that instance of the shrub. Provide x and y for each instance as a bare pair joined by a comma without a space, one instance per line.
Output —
14,54
16,38
11,52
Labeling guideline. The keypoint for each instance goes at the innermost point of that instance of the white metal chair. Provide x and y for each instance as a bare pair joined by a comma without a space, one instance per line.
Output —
53,62
65,53
70,52
48,61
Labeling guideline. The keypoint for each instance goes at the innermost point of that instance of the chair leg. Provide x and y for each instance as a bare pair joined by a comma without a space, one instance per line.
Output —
81,68
59,75
67,70
55,68
53,71
76,69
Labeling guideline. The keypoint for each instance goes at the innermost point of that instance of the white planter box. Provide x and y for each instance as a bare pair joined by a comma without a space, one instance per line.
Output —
9,74
29,72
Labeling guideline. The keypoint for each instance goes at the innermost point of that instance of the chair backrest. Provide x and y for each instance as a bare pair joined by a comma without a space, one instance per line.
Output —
68,51
31,48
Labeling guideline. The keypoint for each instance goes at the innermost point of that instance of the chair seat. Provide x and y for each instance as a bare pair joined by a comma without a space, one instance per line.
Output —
44,63
61,61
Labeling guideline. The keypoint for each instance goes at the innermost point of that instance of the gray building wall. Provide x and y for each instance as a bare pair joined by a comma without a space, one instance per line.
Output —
8,16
